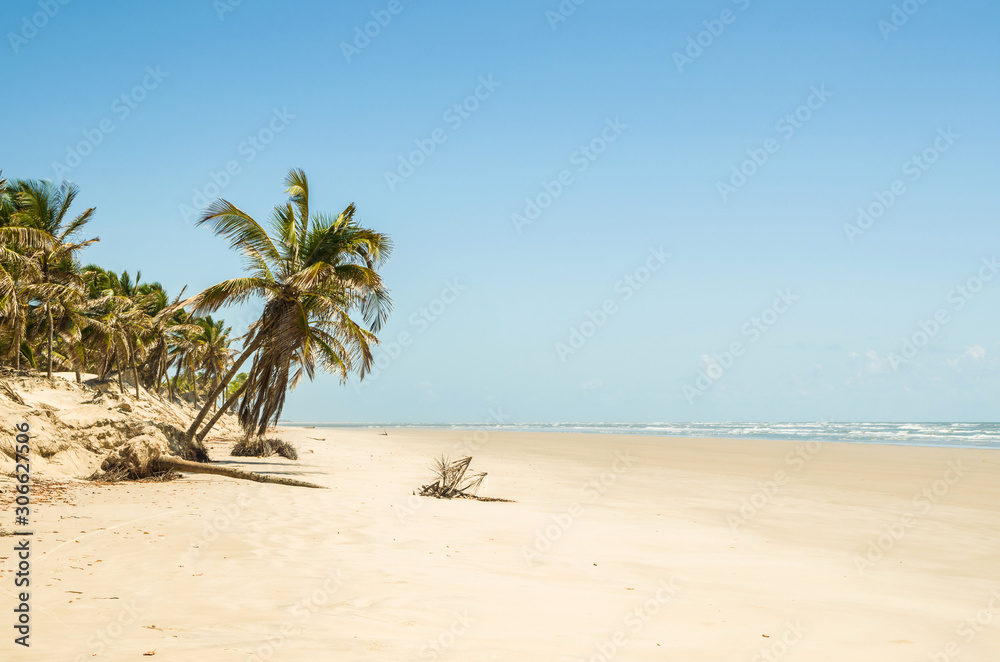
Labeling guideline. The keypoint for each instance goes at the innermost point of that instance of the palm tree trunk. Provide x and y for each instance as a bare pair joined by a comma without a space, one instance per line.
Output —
194,383
48,314
215,384
177,376
222,385
165,462
135,376
118,367
78,361
222,410
17,340
161,371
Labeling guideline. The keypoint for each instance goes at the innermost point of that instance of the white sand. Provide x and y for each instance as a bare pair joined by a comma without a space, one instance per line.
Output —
656,564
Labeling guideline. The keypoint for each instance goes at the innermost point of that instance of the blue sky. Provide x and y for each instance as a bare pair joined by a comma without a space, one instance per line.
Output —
626,124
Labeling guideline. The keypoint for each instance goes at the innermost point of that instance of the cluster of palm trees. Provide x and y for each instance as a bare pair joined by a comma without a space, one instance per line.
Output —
312,271
59,315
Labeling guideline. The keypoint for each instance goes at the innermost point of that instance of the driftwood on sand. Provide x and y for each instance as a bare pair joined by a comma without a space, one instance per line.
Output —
166,463
153,452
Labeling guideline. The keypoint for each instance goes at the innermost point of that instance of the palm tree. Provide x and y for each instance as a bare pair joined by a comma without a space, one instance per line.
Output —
71,309
194,350
166,327
186,351
44,206
179,333
314,272
17,274
216,356
119,326
155,331
17,270
99,280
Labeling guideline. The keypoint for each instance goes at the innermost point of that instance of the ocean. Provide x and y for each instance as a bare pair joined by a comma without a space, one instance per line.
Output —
954,435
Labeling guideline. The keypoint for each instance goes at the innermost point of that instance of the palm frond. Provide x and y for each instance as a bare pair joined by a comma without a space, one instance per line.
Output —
243,232
228,292
298,193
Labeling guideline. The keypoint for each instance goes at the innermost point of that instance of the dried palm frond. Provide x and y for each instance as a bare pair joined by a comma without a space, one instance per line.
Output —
454,481
259,447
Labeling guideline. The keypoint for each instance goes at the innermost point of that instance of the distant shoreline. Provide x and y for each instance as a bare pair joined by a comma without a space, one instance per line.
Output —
931,435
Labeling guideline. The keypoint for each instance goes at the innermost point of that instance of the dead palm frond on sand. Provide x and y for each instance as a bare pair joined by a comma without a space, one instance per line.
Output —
260,447
454,481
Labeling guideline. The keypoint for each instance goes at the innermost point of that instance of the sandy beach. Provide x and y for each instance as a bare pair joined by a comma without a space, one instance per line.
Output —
682,319
617,547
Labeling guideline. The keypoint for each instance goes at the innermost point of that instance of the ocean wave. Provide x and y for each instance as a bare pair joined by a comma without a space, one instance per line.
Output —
969,435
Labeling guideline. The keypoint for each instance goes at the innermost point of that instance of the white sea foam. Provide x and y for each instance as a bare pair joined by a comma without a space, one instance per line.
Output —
979,435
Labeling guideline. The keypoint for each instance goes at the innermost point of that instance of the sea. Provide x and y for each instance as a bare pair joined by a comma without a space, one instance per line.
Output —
951,435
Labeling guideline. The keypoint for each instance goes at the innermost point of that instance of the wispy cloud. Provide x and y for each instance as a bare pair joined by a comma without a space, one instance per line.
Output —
974,355
869,367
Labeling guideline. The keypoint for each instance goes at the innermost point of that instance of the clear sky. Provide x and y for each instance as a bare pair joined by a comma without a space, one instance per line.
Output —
604,211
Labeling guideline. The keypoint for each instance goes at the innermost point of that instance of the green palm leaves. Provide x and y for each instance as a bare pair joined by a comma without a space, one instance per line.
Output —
315,272
41,226
87,318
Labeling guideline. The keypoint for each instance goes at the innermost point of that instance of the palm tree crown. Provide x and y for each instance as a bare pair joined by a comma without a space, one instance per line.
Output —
313,271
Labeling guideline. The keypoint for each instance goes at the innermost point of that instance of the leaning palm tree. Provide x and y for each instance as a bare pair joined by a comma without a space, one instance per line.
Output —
314,272
45,207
